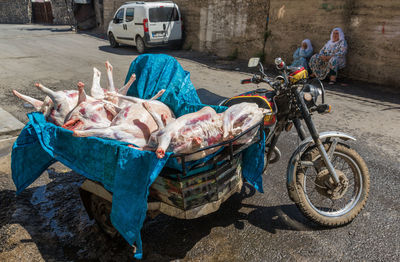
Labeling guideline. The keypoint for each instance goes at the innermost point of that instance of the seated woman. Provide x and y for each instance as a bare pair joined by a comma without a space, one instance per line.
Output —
331,58
302,54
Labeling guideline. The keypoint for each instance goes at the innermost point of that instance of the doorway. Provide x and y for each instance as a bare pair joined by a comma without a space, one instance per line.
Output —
42,13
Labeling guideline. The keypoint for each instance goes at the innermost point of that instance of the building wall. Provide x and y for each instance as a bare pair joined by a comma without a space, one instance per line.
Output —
237,28
62,12
20,11
374,31
109,9
371,29
15,11
226,27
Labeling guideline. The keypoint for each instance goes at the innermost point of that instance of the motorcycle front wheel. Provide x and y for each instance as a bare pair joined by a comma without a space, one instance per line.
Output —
320,199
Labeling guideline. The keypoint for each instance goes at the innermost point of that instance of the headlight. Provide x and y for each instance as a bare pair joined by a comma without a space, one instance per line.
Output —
311,93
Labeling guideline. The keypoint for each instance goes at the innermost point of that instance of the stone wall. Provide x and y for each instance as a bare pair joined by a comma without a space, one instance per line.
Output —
62,12
20,11
374,39
109,9
371,28
15,11
229,28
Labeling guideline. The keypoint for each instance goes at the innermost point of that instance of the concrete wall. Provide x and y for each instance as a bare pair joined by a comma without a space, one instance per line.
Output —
15,11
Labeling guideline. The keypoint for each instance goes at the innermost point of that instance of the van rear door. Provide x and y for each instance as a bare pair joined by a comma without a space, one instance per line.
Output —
164,23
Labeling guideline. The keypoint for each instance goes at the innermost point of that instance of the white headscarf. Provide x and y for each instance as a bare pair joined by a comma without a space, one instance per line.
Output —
330,43
309,46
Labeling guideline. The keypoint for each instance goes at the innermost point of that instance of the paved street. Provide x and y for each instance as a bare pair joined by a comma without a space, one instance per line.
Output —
47,222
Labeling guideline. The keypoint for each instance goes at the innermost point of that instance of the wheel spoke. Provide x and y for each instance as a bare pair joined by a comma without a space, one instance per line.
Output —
319,200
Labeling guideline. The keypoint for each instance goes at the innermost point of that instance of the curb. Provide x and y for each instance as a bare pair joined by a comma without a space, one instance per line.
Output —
6,146
10,126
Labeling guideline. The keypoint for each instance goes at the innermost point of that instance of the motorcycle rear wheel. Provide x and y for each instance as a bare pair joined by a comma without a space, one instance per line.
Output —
332,207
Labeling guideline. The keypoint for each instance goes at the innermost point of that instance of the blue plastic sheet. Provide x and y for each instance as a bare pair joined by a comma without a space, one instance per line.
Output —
125,171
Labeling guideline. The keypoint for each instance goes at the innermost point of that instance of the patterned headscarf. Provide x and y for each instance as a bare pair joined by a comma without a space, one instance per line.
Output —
330,43
309,46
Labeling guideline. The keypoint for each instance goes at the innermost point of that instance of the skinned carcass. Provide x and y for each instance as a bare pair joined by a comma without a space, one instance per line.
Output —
188,133
205,127
240,117
58,104
90,113
157,107
109,94
44,107
55,106
134,123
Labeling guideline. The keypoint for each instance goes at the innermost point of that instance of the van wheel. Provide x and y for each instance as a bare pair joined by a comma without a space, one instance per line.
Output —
140,45
113,42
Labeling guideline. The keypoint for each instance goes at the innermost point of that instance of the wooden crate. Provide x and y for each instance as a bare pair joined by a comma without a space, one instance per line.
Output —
197,190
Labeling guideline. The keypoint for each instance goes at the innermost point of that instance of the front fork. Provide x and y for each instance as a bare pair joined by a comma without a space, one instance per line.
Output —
314,134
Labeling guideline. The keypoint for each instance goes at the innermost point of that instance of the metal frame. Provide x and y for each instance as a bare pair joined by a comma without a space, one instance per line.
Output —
230,148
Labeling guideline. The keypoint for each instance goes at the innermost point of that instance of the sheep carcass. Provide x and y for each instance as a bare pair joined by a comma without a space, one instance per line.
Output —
240,117
134,123
188,133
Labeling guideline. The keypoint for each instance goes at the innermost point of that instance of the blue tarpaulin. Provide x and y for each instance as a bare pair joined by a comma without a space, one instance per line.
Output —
126,172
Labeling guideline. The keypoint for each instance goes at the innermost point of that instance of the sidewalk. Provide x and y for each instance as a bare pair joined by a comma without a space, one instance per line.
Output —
9,130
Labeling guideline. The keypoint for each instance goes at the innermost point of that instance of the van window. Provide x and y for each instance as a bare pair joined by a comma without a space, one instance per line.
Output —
163,14
129,14
119,16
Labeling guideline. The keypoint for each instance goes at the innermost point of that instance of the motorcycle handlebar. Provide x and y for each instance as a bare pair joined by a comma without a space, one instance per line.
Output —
257,79
293,68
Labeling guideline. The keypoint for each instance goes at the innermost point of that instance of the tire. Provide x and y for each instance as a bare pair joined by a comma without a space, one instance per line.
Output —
320,214
113,42
140,46
101,210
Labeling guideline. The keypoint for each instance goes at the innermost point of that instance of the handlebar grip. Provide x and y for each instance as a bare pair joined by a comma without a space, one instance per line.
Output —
324,108
246,81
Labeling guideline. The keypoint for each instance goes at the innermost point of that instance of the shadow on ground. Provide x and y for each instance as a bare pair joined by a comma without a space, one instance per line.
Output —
366,92
351,87
51,29
58,225
173,238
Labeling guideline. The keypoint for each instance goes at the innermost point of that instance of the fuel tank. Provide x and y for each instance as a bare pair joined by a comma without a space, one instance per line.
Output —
262,97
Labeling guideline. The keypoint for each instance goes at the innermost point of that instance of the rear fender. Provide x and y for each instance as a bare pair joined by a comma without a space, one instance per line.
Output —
296,156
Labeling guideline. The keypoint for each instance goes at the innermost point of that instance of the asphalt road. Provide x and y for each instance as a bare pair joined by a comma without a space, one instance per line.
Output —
47,222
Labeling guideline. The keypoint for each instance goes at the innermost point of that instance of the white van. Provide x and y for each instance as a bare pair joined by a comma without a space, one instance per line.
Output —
145,24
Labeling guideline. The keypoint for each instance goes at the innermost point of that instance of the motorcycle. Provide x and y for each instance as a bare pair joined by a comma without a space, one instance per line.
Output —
326,179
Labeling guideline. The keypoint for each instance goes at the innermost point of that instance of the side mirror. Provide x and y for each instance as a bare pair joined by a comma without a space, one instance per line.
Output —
279,63
116,20
253,62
